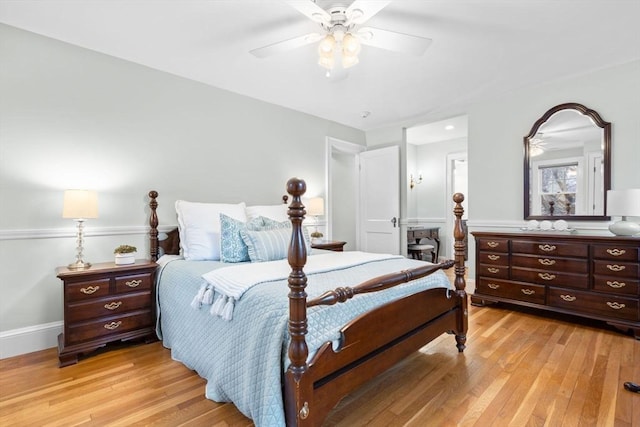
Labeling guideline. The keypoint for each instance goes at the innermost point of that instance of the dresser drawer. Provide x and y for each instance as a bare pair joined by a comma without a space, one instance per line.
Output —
137,282
512,290
612,306
616,252
112,325
616,285
86,290
549,248
493,245
110,306
550,278
493,258
615,269
499,272
571,265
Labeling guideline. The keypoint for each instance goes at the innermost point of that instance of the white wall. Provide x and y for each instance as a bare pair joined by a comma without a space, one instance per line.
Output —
74,118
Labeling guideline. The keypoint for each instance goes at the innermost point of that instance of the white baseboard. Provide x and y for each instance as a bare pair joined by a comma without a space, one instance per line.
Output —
30,339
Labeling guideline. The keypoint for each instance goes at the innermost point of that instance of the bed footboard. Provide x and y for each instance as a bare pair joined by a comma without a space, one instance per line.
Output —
371,343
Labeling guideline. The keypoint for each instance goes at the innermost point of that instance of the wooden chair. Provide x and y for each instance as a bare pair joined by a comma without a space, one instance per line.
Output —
417,251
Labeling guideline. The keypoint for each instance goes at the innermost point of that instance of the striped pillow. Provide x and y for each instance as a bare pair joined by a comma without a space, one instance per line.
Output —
267,245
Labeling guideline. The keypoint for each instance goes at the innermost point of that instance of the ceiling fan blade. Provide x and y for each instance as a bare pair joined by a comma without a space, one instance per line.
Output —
361,11
391,40
285,45
310,10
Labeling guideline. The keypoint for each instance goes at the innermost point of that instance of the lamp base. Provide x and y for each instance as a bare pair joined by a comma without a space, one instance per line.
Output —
624,228
79,265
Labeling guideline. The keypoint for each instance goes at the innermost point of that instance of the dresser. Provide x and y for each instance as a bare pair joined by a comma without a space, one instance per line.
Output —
105,303
590,276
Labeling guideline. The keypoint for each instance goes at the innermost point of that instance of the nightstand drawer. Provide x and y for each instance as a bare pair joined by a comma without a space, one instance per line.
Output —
89,289
79,311
612,306
108,326
138,282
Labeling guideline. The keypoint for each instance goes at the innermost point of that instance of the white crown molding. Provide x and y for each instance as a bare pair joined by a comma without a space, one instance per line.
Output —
57,233
27,340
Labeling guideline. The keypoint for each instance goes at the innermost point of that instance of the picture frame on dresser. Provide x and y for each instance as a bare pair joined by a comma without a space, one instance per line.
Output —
595,277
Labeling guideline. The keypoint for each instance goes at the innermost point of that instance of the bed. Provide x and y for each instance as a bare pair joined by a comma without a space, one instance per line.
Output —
312,329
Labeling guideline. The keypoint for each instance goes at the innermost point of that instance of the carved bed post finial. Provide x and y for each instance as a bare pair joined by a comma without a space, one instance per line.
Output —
459,246
297,392
153,223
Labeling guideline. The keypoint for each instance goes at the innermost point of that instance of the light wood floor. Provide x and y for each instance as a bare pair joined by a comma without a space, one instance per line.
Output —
518,369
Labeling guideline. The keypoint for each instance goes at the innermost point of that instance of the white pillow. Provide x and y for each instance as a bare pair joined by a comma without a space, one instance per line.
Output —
276,212
199,227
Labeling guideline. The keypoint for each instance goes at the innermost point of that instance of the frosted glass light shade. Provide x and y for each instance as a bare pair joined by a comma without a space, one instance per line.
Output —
80,204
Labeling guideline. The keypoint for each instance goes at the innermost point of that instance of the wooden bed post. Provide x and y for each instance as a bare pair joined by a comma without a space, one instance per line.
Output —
298,391
153,223
459,282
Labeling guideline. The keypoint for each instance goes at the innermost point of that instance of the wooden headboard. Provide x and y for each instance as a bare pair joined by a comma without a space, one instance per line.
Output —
171,244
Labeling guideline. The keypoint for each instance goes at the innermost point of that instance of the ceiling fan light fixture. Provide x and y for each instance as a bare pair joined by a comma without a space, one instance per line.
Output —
349,60
327,62
327,45
351,45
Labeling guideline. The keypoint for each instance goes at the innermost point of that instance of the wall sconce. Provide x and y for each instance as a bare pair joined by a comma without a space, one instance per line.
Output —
413,182
624,203
80,205
316,209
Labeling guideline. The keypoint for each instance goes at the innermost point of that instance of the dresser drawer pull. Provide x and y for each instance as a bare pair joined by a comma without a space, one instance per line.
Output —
615,267
493,257
493,270
133,283
616,305
113,305
528,291
90,289
546,276
569,298
493,244
616,252
546,261
113,325
547,248
493,285
616,285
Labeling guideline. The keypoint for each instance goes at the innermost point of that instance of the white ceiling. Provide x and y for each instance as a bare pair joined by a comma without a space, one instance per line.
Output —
480,49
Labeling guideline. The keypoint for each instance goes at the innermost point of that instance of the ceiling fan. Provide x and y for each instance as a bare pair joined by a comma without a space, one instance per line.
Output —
342,34
537,144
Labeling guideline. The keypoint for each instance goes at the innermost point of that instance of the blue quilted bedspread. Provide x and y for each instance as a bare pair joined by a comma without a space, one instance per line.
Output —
243,359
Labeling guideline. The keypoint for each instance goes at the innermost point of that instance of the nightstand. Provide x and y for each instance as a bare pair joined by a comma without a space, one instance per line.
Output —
331,245
105,303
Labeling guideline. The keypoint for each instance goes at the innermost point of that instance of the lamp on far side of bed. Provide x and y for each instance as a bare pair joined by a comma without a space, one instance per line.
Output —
80,205
316,209
624,203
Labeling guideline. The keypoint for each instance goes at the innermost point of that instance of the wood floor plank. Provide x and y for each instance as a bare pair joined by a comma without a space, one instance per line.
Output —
518,369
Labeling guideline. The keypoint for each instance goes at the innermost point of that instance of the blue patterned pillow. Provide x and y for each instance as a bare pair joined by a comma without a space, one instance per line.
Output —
232,247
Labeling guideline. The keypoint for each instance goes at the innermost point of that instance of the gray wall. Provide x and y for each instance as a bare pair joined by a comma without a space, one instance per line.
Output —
74,118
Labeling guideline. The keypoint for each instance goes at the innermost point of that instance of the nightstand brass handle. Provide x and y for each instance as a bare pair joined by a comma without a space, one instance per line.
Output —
547,248
113,325
493,285
113,305
546,276
133,283
615,267
493,257
615,284
569,298
546,261
90,289
616,305
528,291
493,244
616,252
493,270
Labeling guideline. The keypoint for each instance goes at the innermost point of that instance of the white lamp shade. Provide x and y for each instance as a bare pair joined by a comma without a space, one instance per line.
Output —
80,204
623,202
316,206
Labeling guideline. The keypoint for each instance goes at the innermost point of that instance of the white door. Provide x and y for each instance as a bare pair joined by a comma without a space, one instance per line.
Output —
380,200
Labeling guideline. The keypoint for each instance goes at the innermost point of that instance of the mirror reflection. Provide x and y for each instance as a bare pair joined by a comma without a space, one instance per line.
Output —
567,165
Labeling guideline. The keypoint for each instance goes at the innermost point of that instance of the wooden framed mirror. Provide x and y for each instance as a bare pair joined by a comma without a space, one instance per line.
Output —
567,165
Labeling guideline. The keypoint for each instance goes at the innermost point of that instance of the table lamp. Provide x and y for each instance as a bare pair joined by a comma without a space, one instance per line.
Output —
80,205
624,203
315,209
